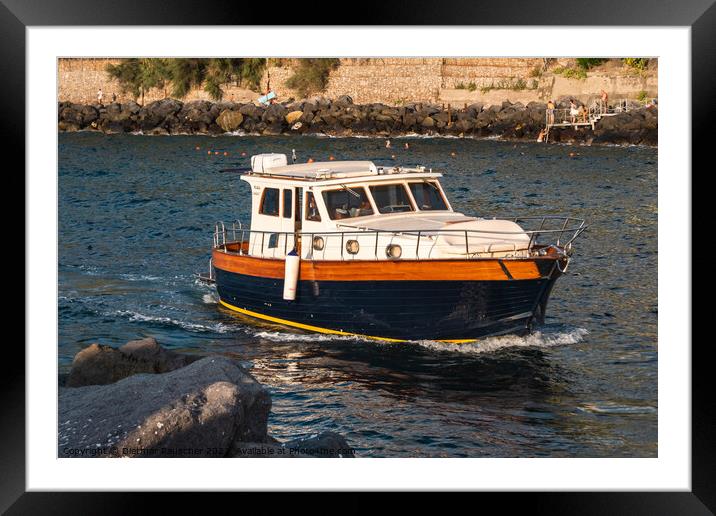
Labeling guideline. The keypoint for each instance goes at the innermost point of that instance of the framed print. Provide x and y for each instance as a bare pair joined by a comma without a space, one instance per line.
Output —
434,256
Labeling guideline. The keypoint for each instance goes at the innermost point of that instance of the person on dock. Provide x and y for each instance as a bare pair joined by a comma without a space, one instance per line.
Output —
550,112
99,96
605,97
573,111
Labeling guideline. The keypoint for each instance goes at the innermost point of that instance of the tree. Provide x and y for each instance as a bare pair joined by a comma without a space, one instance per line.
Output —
311,75
135,76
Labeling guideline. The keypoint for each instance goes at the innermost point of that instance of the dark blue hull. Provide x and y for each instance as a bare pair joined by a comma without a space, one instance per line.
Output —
402,310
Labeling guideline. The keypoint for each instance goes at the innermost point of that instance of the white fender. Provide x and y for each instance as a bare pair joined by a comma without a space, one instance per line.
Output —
290,276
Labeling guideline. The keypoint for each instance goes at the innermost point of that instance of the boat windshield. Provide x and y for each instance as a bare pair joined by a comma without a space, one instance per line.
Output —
391,198
347,203
427,196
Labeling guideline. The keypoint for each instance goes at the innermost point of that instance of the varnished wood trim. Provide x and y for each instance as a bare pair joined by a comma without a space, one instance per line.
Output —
523,269
422,270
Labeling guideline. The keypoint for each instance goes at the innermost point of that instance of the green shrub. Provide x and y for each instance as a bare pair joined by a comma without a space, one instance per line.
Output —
460,86
571,73
642,96
472,86
638,63
311,75
585,63
519,85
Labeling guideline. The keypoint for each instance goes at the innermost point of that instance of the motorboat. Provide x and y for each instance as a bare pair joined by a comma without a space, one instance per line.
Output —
355,248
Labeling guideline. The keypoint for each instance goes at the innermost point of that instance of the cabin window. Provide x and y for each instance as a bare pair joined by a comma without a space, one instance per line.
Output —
273,240
347,203
427,196
391,198
269,202
312,208
287,204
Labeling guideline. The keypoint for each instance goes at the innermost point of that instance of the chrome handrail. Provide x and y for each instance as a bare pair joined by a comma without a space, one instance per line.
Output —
569,226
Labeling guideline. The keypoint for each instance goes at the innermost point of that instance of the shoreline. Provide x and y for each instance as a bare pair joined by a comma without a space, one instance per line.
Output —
378,137
320,117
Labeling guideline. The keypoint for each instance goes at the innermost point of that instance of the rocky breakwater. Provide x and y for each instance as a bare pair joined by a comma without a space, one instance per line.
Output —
142,400
341,117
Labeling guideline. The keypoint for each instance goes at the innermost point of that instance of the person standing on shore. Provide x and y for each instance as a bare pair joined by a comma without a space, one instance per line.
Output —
99,96
605,97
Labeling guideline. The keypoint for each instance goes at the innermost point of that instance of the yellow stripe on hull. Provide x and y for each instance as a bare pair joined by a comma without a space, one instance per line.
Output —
318,329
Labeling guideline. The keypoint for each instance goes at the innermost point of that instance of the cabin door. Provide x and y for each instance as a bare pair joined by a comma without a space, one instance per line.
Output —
272,222
288,218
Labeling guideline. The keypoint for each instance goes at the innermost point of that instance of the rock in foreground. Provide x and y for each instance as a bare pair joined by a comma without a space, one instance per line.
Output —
200,410
101,365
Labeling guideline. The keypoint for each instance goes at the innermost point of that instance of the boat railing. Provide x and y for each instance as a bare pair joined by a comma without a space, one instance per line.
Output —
539,235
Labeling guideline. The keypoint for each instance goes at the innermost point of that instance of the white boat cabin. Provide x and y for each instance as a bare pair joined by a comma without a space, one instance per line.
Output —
341,210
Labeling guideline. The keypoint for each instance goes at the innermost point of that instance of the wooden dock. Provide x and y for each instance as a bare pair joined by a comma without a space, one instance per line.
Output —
564,118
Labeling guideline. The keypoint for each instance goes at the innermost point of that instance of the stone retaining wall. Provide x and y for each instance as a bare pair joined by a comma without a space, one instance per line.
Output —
391,81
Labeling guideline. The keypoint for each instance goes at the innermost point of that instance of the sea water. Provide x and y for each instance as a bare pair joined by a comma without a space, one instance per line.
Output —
136,216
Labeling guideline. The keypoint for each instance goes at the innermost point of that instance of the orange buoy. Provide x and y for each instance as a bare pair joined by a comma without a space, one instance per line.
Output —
331,158
198,148
243,154
452,154
226,153
310,160
216,153
208,152
392,156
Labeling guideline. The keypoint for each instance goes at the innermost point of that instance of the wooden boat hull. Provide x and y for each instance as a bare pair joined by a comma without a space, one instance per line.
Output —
453,300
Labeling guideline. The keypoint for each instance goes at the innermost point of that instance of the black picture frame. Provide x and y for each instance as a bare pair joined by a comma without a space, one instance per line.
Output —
700,15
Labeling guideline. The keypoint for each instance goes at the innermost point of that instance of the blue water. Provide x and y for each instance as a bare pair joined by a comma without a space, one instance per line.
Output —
135,220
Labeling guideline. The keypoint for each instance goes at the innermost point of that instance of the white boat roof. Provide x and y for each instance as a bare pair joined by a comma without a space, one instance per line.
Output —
327,170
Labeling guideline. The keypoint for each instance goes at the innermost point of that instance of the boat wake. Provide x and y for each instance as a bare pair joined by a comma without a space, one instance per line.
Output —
168,321
546,339
539,339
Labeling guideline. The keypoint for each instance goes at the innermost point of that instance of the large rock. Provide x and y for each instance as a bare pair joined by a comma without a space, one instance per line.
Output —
275,113
79,115
343,101
428,122
156,113
229,120
293,117
200,410
100,365
251,111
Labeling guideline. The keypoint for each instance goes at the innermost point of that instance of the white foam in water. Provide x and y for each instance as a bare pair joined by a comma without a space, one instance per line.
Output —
489,344
279,336
210,299
136,316
138,277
